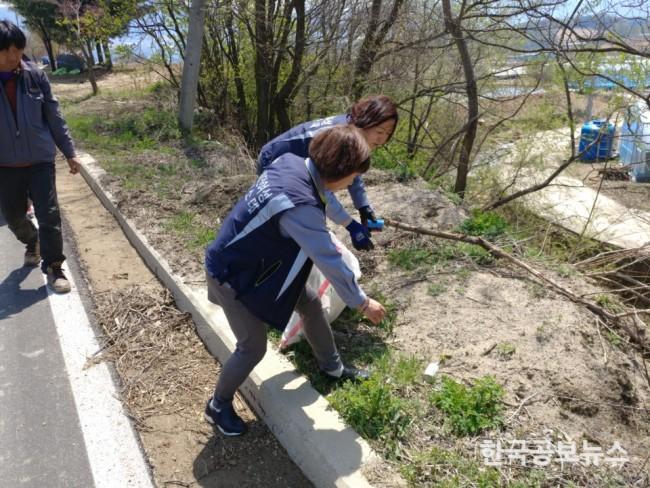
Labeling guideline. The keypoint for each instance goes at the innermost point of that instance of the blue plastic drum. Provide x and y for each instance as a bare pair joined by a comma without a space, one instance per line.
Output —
596,140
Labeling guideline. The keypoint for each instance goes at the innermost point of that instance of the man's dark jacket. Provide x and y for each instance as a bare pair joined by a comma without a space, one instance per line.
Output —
38,128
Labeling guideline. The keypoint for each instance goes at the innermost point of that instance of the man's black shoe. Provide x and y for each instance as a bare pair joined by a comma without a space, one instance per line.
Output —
225,419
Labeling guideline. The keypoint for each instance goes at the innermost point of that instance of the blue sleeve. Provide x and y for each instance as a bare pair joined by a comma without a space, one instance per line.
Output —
55,121
358,193
335,210
306,225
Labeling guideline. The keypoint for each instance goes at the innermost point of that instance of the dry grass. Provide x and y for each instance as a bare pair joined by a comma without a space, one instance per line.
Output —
163,365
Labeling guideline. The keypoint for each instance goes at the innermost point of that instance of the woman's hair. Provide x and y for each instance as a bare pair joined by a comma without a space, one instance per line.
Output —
11,35
339,151
372,111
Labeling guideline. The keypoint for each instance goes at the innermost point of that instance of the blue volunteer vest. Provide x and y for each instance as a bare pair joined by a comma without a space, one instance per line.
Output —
267,270
296,140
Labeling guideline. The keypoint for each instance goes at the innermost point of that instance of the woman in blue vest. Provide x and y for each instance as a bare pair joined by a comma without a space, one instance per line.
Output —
376,116
257,266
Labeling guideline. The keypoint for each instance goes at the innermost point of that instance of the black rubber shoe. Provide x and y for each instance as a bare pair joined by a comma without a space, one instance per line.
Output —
354,374
225,419
351,374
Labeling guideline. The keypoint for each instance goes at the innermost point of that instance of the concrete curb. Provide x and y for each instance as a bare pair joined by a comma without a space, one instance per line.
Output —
328,452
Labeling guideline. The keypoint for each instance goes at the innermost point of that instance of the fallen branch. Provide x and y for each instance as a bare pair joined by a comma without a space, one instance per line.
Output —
635,336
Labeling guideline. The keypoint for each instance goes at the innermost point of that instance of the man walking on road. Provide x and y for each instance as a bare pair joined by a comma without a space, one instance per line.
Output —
31,128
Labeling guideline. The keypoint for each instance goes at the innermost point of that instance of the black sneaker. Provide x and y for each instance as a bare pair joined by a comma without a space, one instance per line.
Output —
56,278
225,419
350,373
33,254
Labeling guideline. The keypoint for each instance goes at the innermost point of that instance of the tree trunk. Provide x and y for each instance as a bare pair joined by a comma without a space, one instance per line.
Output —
47,43
454,28
286,93
242,106
372,41
107,54
263,71
192,64
100,56
88,54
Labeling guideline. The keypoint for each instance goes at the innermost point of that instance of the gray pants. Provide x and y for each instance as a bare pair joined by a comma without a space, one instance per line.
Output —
251,337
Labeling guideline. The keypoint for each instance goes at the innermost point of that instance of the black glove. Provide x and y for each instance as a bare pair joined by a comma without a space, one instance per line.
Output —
360,236
367,213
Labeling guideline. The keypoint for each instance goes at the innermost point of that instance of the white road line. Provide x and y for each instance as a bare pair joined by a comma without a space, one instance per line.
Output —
116,459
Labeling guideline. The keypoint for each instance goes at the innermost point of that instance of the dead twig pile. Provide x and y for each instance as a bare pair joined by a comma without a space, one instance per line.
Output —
627,271
162,364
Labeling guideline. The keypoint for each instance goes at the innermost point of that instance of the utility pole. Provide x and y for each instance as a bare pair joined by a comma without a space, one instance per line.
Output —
191,65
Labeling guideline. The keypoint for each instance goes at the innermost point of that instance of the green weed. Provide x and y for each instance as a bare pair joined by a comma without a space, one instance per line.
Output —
505,350
609,303
371,408
195,235
374,408
474,253
486,224
416,257
614,339
436,289
449,469
469,410
146,128
411,258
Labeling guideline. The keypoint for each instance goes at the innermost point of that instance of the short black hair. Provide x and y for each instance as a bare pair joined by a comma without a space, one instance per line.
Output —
11,35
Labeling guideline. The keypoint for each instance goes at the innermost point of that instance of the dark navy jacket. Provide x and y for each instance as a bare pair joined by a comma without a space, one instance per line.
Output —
296,141
267,270
38,129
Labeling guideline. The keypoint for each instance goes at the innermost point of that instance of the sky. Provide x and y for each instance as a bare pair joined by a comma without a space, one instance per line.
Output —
6,13
145,46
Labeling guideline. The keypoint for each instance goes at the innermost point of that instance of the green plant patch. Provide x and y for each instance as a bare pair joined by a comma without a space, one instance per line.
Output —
485,224
416,257
436,289
469,410
474,253
411,258
448,469
505,350
195,235
609,302
372,408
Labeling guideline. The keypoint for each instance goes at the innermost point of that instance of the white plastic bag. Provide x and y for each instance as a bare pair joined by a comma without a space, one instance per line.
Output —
332,303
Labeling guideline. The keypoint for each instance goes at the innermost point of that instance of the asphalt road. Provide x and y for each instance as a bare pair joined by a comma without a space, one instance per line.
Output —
54,430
